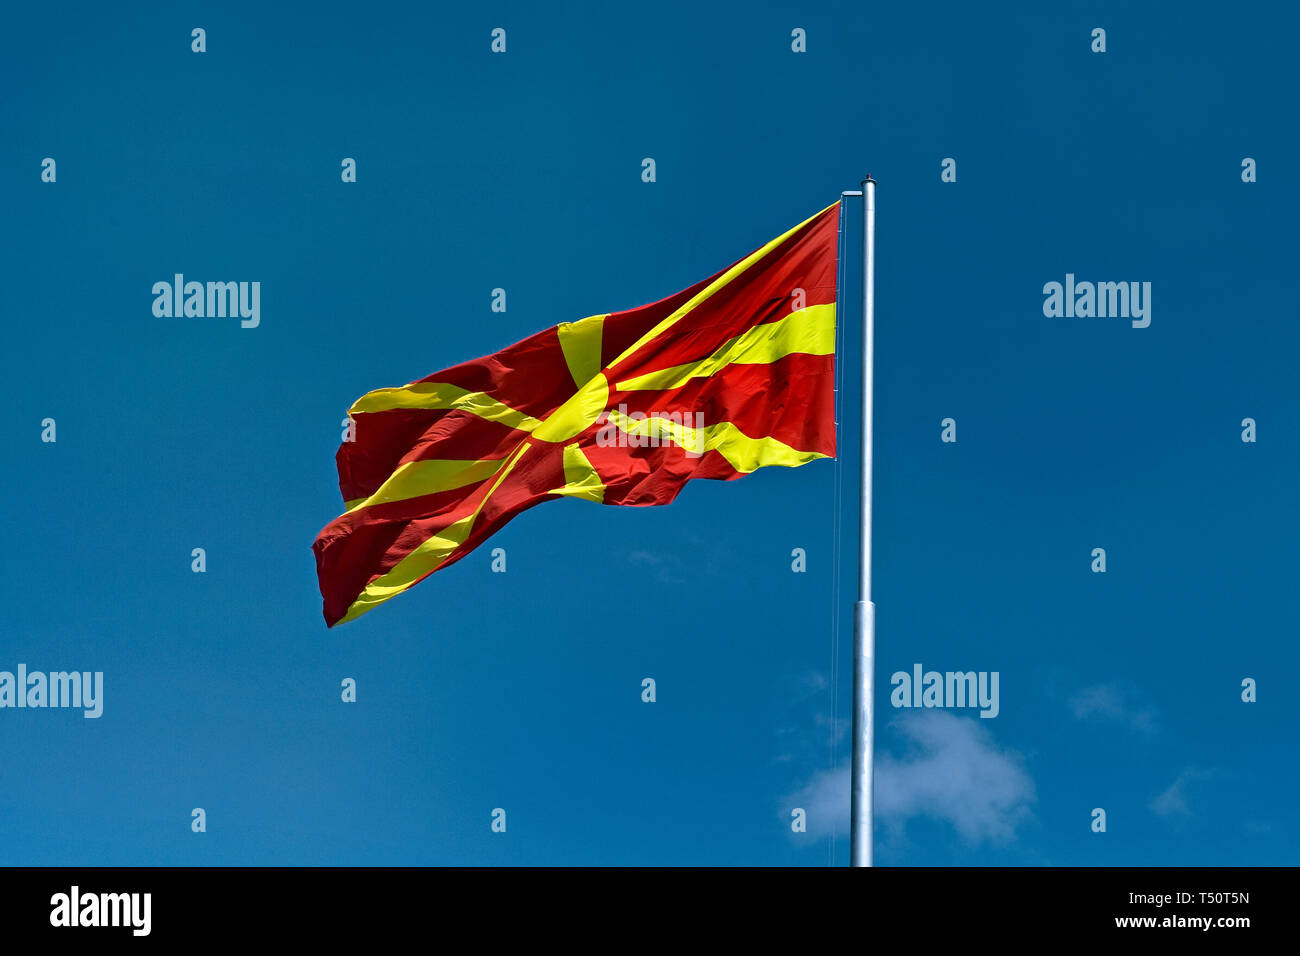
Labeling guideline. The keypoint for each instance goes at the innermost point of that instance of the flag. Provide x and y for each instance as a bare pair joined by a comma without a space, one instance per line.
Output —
732,374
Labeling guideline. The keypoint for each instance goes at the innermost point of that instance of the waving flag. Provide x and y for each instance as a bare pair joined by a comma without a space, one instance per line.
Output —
732,374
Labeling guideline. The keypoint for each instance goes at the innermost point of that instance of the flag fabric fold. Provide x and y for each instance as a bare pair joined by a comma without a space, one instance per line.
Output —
728,376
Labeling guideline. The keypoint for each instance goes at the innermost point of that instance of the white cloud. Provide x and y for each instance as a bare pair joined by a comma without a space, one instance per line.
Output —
1172,802
1114,702
953,771
805,734
665,567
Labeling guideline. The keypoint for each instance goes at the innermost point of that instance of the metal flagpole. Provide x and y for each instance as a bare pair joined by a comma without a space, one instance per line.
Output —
864,612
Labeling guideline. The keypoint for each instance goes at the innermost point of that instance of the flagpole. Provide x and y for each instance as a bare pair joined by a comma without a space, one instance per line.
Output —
864,611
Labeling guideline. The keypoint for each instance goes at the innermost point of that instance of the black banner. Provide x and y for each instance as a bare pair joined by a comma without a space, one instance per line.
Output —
1153,906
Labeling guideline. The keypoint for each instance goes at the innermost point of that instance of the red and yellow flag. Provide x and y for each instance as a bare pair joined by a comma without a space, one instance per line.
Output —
732,374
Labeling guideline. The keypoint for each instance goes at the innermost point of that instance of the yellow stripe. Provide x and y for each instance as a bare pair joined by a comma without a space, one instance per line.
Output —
712,288
580,343
580,478
416,478
743,453
747,454
425,558
442,395
581,409
810,331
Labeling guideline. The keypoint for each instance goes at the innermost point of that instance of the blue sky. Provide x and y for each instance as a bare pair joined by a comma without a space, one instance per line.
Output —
522,690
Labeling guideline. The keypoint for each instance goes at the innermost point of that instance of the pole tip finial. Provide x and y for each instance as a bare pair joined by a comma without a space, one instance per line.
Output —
867,179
